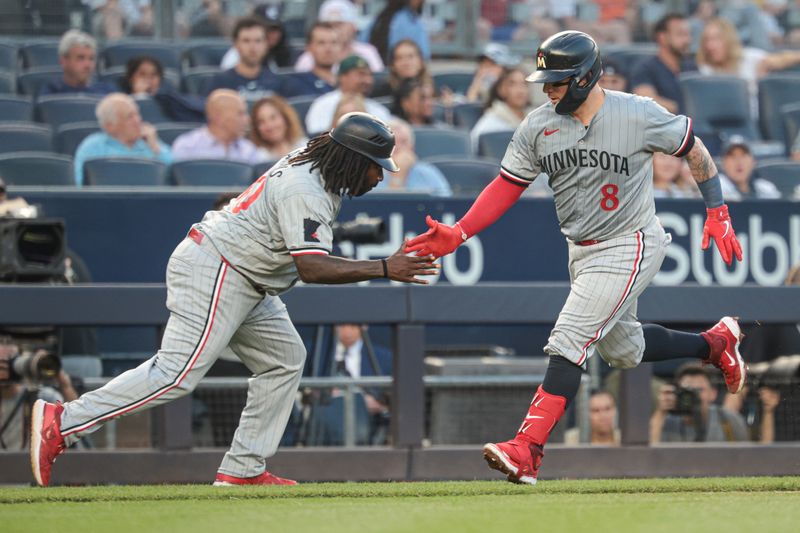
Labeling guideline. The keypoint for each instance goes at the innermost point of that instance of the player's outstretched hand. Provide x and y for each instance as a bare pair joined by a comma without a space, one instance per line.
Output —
405,268
439,240
719,227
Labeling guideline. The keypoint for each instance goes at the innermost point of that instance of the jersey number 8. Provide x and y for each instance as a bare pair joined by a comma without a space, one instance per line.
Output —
609,202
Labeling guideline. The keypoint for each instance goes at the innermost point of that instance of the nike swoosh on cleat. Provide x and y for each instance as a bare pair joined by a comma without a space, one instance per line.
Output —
731,358
532,416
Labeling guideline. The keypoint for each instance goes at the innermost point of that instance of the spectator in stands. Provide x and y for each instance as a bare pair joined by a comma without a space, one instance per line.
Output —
671,179
739,178
279,54
276,128
405,61
210,20
223,136
249,76
603,430
114,19
354,77
509,102
399,20
349,103
613,77
414,175
762,411
77,54
721,52
494,58
124,135
14,410
324,50
342,15
144,78
413,102
696,418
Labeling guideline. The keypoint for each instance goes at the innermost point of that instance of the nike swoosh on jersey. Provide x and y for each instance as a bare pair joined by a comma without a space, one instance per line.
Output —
547,132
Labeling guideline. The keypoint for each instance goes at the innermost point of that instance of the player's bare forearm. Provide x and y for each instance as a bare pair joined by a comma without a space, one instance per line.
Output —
700,162
332,270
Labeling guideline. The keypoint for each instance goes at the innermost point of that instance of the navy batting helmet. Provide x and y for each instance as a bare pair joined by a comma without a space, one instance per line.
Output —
569,55
368,136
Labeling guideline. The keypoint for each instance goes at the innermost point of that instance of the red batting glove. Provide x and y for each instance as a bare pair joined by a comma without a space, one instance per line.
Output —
439,240
719,227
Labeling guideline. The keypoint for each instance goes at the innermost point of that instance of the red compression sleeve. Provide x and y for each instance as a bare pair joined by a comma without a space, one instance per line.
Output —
490,205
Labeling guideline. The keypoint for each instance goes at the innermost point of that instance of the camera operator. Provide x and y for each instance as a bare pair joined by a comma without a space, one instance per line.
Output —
686,412
17,394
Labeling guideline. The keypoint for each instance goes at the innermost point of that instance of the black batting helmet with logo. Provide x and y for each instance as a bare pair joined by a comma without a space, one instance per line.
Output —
368,136
569,55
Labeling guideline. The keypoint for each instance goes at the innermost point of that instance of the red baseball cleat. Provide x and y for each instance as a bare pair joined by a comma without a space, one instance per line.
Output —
517,459
724,339
224,480
46,440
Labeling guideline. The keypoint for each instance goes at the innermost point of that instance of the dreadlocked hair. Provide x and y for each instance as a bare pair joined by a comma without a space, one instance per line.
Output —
343,170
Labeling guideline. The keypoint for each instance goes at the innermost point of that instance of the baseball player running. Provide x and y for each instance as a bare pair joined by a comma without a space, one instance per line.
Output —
596,147
223,283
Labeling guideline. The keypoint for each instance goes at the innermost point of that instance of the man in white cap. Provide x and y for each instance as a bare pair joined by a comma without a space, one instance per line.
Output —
344,16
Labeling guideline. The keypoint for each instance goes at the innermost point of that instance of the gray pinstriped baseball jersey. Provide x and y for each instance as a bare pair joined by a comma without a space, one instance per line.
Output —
601,176
286,212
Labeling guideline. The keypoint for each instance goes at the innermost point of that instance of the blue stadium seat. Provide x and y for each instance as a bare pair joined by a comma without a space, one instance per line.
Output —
458,82
69,136
124,171
212,173
774,92
434,142
196,79
60,109
30,81
8,57
117,55
39,54
16,108
791,124
206,54
151,111
493,144
719,106
467,114
36,168
8,83
301,104
629,56
114,75
467,176
25,137
260,168
785,175
169,131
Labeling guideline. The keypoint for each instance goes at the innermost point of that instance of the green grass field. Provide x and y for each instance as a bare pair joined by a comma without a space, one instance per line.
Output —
757,505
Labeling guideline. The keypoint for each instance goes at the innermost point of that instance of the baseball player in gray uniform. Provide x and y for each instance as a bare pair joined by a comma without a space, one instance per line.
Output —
223,286
596,147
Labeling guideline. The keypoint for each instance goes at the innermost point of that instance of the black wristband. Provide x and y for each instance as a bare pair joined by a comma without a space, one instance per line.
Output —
385,268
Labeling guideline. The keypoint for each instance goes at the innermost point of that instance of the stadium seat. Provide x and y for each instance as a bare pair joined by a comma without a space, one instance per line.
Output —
493,144
117,55
467,114
467,176
30,81
301,104
169,131
260,168
25,137
196,79
69,136
16,108
791,124
8,83
433,142
151,111
775,91
36,168
8,57
458,82
785,175
629,56
207,54
127,171
41,54
114,76
718,105
60,109
212,173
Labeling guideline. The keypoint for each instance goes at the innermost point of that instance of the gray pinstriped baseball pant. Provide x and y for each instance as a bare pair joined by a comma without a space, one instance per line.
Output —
211,307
